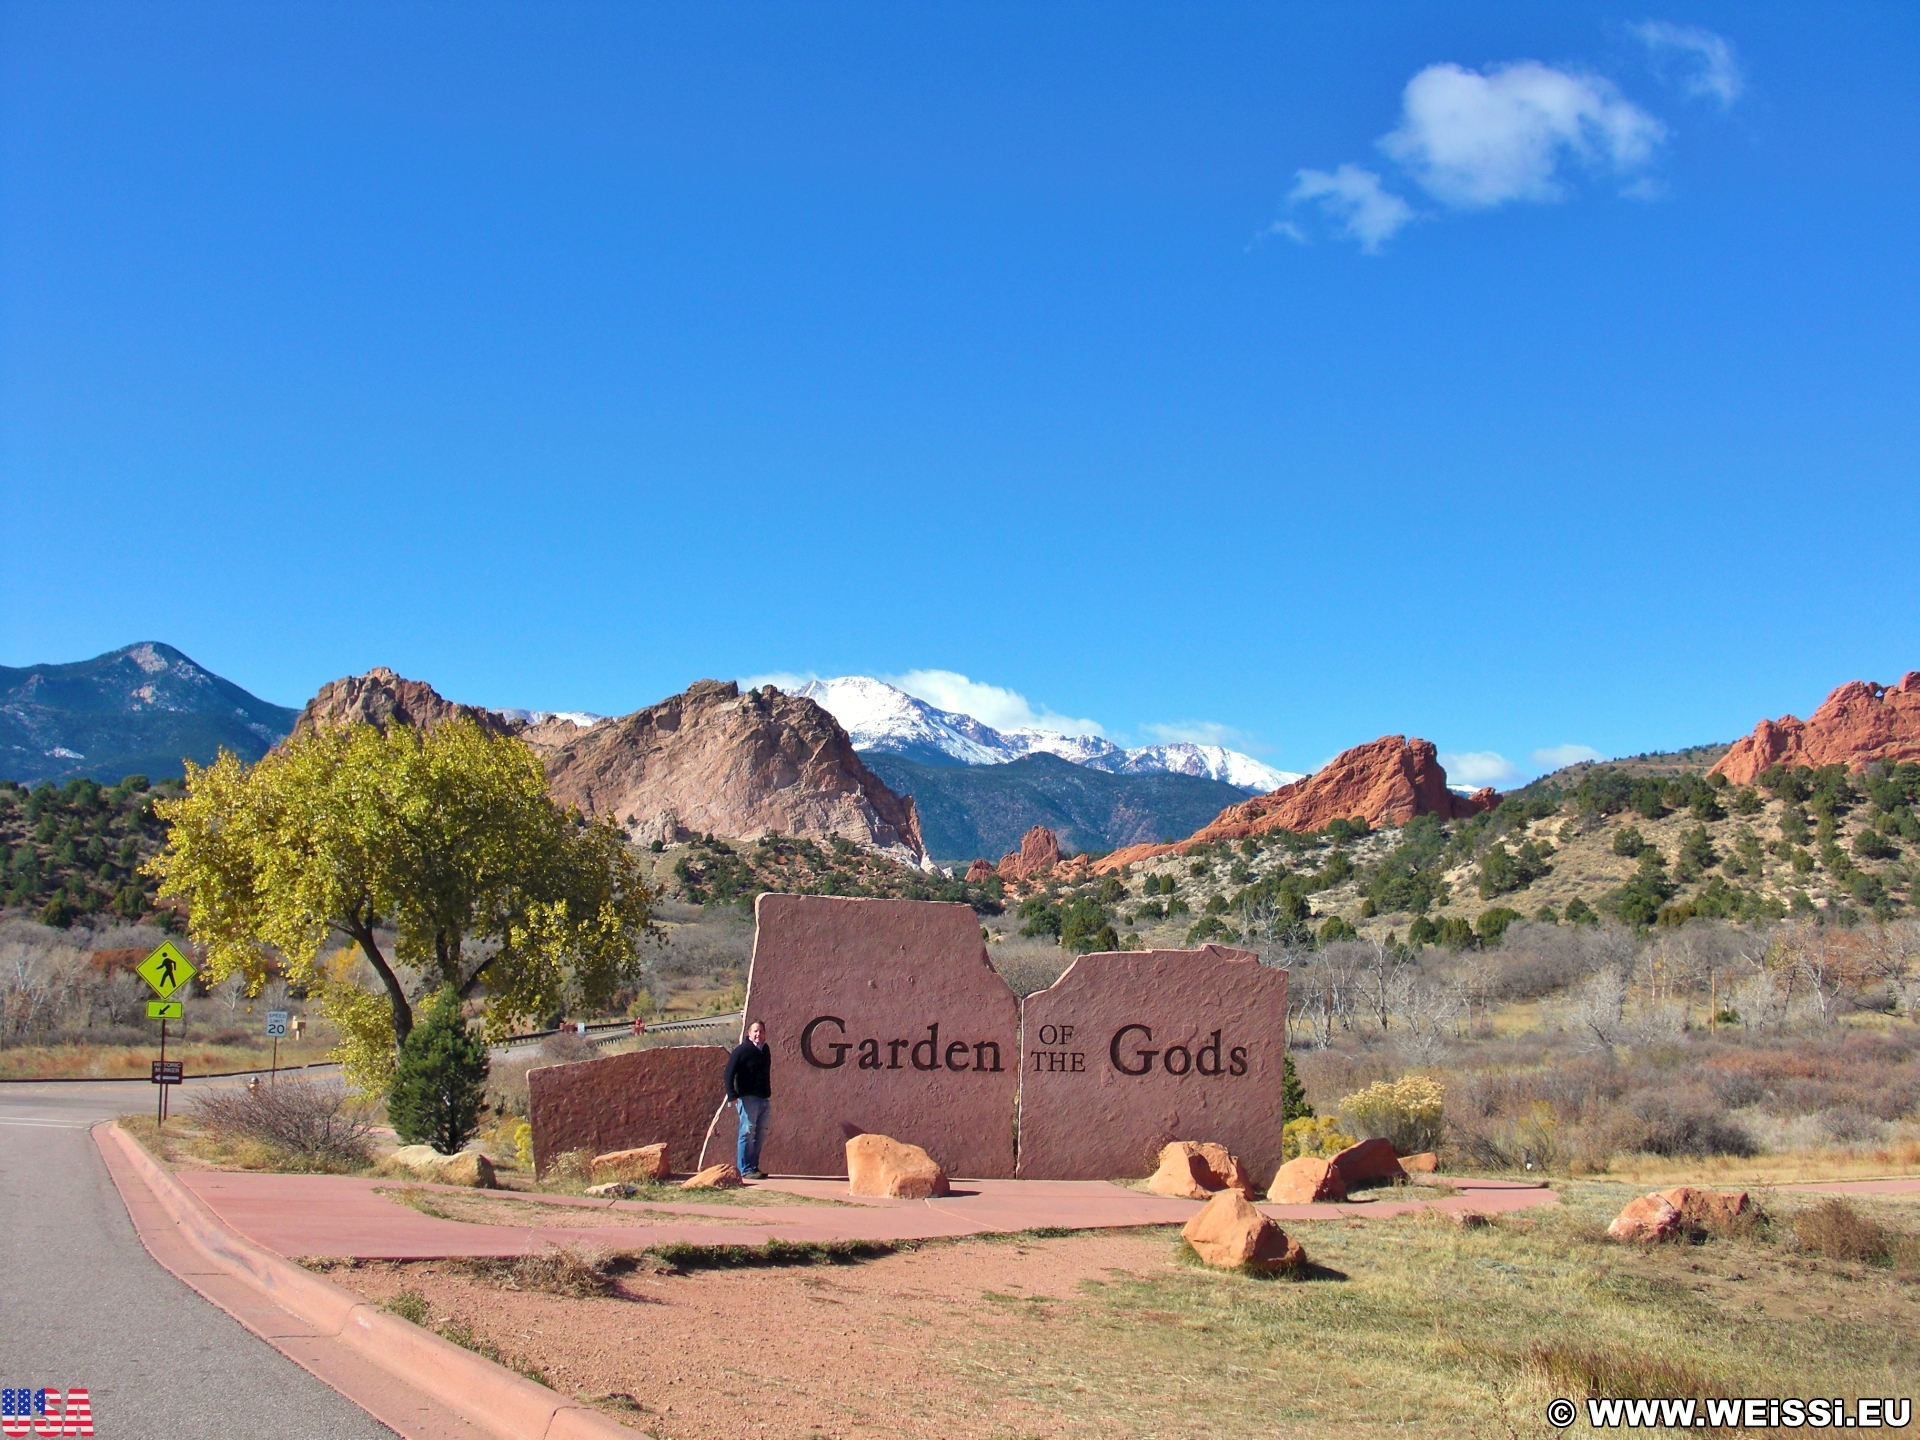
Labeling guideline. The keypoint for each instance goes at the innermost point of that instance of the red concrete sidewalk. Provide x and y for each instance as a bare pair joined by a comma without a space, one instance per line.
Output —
336,1215
1899,1185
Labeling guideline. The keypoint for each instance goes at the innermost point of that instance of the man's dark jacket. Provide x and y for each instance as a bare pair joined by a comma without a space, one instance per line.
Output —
749,1071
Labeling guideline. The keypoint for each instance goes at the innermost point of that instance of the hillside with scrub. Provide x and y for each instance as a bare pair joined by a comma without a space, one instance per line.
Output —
1636,849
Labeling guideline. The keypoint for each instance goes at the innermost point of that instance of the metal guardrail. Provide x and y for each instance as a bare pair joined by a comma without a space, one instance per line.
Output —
145,1080
613,1030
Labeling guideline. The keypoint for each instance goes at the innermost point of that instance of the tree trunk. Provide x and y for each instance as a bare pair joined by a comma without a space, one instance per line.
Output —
472,982
360,930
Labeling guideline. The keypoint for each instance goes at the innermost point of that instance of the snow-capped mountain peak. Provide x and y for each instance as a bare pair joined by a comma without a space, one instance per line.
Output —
580,719
879,716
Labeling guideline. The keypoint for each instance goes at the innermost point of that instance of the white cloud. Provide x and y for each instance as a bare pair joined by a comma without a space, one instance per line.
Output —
1478,767
999,707
1554,756
1197,732
1353,197
1711,71
1474,141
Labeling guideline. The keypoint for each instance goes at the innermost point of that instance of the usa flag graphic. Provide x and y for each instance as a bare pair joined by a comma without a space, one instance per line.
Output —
44,1412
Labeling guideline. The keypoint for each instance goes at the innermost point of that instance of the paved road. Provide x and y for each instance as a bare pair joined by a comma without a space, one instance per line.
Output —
88,1306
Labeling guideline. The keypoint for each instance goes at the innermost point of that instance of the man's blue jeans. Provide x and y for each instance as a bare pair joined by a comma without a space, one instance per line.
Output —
753,1129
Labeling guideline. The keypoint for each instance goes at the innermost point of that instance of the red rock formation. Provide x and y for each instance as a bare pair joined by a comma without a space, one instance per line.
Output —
710,761
383,698
980,871
715,761
1858,723
1387,782
1039,852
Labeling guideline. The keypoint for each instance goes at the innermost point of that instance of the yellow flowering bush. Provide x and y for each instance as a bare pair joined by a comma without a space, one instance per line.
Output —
1320,1136
1405,1112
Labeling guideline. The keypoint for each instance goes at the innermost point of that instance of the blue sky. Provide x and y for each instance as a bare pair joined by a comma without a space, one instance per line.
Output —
1515,376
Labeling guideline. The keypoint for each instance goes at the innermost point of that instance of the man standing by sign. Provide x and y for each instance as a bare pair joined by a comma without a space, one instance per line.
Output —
749,1086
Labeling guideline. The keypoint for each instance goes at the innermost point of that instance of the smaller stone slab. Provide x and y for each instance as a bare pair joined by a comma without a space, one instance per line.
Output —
469,1167
1229,1233
1650,1218
648,1162
1309,1180
1128,1052
714,1177
664,1096
1198,1170
1371,1162
1715,1211
878,1165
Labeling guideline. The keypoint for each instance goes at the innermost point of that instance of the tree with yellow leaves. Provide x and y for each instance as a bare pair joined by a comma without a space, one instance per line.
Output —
444,838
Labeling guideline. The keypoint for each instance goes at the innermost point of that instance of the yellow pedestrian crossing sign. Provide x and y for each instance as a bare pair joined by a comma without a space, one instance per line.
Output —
165,1010
166,970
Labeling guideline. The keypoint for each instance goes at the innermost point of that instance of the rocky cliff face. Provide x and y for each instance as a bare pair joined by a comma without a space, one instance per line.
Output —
1858,723
1039,852
1388,781
711,761
714,760
382,698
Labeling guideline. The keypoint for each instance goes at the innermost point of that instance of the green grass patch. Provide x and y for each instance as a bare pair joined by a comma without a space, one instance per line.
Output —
412,1307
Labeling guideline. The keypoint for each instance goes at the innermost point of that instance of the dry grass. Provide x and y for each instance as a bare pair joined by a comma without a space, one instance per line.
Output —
1794,1168
187,1145
576,1270
1838,1229
1612,1371
1412,1325
414,1308
313,1124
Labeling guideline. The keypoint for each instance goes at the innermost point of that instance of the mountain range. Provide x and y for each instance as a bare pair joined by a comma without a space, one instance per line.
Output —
969,811
132,711
882,719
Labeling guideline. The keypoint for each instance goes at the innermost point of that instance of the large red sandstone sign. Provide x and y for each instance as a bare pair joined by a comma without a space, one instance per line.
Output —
649,1097
1129,1052
885,1017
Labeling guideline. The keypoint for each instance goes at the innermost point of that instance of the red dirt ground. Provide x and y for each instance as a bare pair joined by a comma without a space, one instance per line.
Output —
874,1349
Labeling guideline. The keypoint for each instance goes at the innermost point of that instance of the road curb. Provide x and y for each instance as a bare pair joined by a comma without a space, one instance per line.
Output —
485,1395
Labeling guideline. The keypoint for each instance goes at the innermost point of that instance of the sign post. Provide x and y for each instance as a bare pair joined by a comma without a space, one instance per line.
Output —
276,1028
167,971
